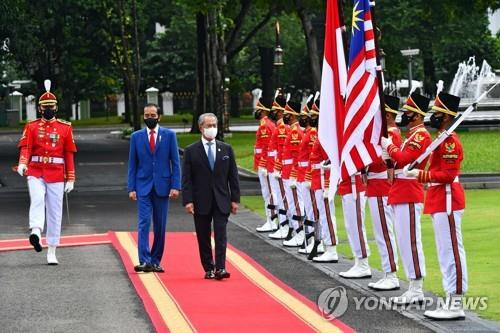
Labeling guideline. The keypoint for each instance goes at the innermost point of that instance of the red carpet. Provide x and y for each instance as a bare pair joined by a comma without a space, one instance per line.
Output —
252,300
72,240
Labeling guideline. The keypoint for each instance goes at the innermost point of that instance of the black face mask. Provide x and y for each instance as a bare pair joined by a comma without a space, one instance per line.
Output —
49,113
303,122
286,120
436,121
272,115
405,120
151,122
313,122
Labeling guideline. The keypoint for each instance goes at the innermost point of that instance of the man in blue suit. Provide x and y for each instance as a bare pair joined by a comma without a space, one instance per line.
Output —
153,178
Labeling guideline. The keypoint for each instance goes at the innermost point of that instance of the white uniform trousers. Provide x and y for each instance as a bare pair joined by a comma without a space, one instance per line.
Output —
450,250
46,203
292,209
327,221
279,198
383,229
354,220
305,194
267,194
409,237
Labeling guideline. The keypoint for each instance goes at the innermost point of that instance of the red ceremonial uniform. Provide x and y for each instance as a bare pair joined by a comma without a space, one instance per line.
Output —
278,141
444,168
302,162
317,156
47,148
262,142
291,150
345,186
380,187
408,190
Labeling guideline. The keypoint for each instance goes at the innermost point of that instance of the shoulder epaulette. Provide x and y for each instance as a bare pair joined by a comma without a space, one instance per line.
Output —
62,121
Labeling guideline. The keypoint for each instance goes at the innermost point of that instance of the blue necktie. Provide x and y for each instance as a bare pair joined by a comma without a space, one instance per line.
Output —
211,160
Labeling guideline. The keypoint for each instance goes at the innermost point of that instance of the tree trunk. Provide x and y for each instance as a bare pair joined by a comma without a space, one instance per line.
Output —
216,64
136,70
266,72
201,104
126,96
429,73
312,44
235,104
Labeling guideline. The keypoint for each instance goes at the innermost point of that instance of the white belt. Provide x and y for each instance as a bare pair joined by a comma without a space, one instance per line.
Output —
303,164
400,175
287,162
447,188
46,159
456,180
258,150
377,175
316,166
272,153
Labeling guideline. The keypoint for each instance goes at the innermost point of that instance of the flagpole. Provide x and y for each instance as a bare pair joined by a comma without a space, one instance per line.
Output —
340,5
379,71
380,80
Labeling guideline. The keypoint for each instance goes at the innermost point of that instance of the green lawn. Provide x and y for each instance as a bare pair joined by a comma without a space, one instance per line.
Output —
480,228
481,149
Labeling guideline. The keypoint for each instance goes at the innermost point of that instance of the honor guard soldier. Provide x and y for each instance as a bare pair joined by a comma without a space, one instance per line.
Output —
295,214
407,195
262,142
377,192
46,158
353,196
276,152
445,202
302,165
324,248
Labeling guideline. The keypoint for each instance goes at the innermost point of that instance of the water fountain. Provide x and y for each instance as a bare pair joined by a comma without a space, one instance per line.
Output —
469,83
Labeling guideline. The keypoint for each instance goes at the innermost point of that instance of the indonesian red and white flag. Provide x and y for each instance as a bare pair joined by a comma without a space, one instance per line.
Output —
363,119
333,89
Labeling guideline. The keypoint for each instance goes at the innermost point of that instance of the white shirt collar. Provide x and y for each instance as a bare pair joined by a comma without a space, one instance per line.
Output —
205,141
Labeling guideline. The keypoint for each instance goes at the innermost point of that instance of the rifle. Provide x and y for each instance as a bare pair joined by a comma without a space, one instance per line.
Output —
445,134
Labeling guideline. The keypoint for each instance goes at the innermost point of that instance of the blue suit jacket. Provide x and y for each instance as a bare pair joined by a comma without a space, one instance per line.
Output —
159,169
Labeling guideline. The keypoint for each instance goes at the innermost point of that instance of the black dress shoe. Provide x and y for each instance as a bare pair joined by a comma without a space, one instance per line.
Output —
35,241
158,269
209,275
143,268
222,274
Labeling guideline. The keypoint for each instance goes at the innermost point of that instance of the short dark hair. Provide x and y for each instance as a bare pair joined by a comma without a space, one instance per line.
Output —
152,105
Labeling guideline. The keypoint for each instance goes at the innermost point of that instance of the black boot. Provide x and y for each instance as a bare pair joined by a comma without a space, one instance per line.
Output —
314,251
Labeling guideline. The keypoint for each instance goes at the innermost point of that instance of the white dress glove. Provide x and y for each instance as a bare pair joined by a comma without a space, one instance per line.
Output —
385,142
262,171
307,184
385,155
326,191
69,187
293,182
277,174
21,169
413,173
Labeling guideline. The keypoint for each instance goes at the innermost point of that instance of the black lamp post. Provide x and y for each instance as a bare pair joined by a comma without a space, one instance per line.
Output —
278,55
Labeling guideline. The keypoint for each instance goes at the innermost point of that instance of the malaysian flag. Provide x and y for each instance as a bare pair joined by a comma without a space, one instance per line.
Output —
333,88
363,119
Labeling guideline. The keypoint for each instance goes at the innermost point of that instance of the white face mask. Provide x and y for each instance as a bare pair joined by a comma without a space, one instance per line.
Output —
210,132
